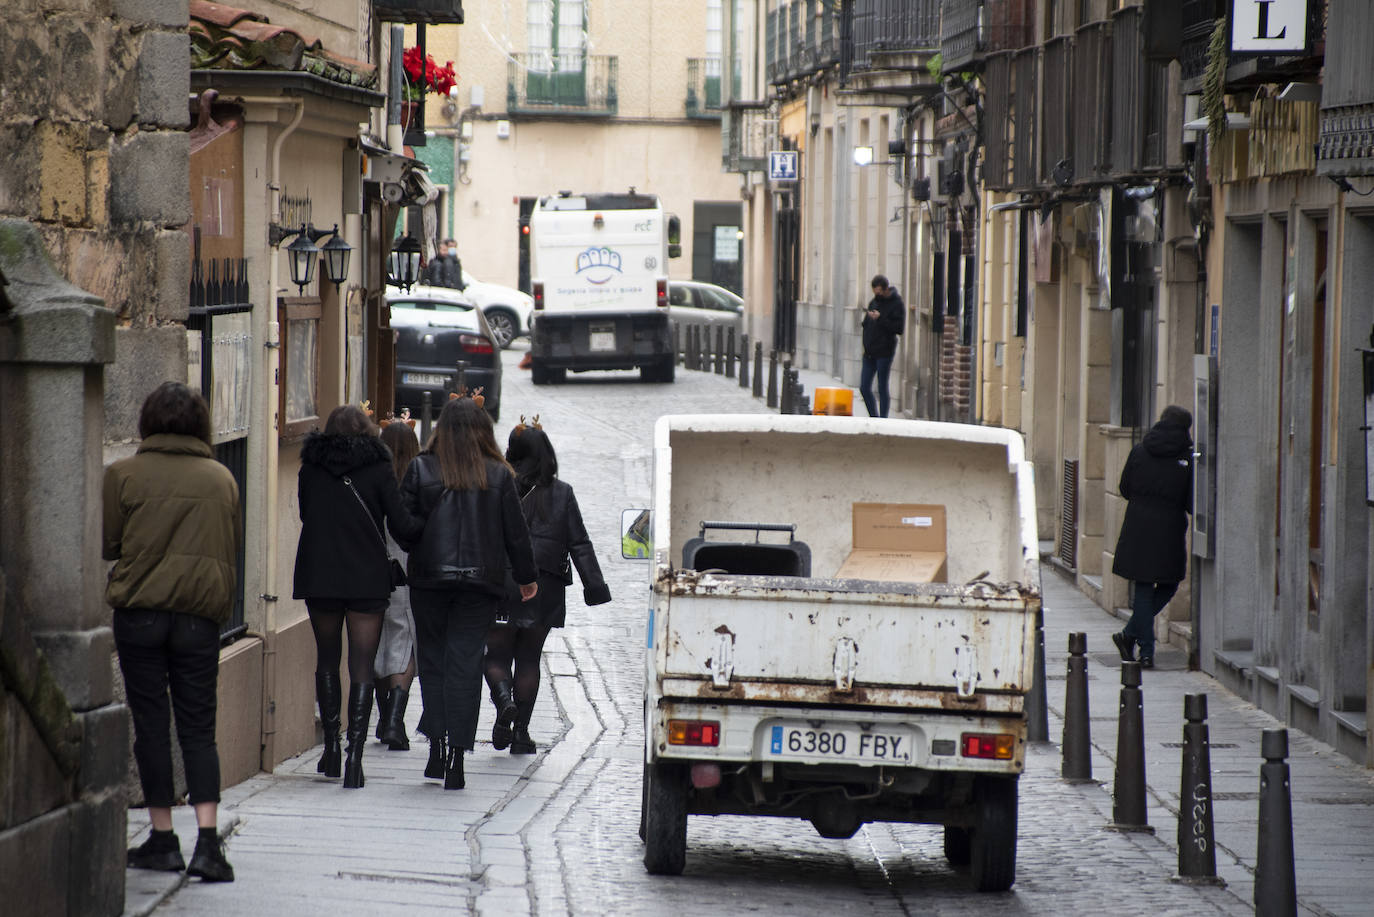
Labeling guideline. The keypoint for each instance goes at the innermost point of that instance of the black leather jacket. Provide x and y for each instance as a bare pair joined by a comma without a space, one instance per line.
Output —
469,535
557,531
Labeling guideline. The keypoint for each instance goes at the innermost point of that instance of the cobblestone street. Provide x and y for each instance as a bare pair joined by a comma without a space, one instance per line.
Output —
557,834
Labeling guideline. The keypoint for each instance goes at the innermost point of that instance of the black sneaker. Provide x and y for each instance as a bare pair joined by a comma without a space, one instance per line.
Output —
158,852
1147,662
1125,646
208,862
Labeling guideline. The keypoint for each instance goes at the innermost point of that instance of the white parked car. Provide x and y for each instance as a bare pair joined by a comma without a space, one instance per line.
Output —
693,302
506,308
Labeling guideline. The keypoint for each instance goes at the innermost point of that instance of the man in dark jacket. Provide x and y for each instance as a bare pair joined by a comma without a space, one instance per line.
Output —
446,270
1151,550
883,322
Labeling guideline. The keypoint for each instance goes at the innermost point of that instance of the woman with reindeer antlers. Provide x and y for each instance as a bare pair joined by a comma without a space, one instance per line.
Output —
516,641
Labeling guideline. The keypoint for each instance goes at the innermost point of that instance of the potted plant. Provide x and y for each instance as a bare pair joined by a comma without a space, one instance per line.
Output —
422,75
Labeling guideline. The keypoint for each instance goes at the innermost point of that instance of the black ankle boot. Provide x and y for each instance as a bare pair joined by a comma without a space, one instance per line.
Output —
392,731
503,699
327,695
383,695
359,714
521,743
434,767
453,770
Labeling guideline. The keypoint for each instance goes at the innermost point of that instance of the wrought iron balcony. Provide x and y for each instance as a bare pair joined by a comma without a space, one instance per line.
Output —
562,84
893,26
704,87
960,38
1346,146
1056,124
1139,99
430,11
1009,25
1091,101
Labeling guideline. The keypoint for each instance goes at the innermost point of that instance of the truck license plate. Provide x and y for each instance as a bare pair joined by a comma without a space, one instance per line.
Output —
423,379
841,742
601,337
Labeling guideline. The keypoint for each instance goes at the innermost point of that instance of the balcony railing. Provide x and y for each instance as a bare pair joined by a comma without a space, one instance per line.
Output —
894,26
1199,20
1056,153
562,84
771,47
429,11
998,121
744,136
960,40
1091,101
704,87
1139,99
1023,118
1347,104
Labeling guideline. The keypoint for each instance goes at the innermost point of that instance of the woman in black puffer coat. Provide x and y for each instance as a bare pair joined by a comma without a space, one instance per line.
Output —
1151,552
516,642
464,490
346,490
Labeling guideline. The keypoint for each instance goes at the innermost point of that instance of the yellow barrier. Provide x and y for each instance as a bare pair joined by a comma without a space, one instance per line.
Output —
833,401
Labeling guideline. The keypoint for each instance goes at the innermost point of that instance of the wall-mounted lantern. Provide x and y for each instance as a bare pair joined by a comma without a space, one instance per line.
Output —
403,264
303,251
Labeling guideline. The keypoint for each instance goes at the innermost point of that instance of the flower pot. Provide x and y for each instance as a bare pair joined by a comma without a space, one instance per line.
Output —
409,114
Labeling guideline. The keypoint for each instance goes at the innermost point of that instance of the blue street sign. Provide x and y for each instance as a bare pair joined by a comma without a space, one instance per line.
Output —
782,165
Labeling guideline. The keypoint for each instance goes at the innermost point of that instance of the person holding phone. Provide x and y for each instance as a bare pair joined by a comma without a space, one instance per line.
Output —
883,321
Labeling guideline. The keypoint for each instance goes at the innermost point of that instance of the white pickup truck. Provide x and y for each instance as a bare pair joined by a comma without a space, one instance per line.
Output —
841,629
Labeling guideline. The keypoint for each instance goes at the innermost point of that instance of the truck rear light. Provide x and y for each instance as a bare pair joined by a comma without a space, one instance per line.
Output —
997,746
538,292
663,294
693,732
472,343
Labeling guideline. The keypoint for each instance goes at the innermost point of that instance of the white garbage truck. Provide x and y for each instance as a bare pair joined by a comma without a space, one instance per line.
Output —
599,278
841,629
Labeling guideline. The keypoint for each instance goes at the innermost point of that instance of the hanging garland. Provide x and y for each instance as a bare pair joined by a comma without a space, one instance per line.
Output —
1214,86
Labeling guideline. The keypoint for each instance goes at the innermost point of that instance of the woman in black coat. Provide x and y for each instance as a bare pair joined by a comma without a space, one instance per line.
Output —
516,642
346,490
1151,550
473,531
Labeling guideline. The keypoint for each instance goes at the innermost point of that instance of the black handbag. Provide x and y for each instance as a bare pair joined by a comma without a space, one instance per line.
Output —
398,573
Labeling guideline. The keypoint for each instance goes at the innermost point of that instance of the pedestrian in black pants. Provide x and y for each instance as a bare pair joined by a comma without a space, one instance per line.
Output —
1151,551
173,528
883,322
465,492
346,490
516,642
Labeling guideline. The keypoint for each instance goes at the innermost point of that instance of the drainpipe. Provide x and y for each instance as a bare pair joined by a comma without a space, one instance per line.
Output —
272,363
395,136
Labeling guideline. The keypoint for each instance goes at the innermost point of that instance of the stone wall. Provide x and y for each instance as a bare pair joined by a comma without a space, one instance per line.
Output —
94,166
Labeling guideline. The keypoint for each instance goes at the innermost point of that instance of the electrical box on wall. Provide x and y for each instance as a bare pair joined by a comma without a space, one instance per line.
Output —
502,130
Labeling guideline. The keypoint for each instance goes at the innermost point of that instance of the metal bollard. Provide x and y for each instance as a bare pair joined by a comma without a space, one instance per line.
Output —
772,400
1037,704
803,404
462,382
729,353
744,361
425,408
1128,789
678,356
1197,855
696,347
1077,762
758,369
799,394
785,395
1276,888
720,350
704,349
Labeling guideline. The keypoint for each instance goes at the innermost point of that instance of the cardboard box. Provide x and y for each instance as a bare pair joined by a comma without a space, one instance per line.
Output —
904,542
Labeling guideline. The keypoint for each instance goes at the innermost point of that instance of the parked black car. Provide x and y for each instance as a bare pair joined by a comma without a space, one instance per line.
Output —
442,341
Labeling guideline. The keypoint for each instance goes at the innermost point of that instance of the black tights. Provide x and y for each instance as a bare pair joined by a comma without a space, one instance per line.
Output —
364,633
521,648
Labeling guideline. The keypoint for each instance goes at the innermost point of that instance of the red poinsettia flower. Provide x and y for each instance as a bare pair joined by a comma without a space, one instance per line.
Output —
423,74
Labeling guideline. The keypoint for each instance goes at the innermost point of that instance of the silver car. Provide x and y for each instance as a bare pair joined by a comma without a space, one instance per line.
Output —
692,302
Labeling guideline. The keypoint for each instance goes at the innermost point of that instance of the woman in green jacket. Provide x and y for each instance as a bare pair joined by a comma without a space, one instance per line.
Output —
172,527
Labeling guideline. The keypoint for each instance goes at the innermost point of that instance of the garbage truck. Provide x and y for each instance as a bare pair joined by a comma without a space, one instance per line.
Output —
599,278
841,629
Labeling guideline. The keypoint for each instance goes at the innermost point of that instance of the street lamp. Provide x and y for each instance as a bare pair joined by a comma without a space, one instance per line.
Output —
403,264
302,252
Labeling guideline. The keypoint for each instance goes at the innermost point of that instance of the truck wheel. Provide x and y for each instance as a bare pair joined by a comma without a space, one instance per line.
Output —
665,820
993,848
543,375
643,799
957,846
664,371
